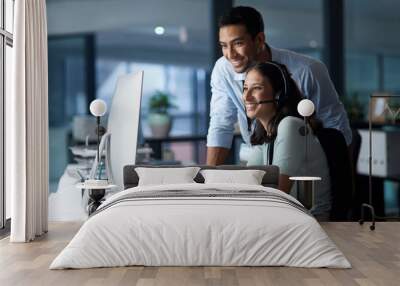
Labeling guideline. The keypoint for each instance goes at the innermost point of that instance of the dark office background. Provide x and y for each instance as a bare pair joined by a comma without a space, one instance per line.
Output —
92,42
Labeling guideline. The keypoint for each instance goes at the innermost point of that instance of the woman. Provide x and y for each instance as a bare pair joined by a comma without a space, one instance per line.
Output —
271,97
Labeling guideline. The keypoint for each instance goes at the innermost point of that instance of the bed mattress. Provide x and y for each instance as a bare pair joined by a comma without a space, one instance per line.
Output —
201,225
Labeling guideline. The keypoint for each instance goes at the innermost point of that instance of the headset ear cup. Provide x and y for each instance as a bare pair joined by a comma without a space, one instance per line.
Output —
279,97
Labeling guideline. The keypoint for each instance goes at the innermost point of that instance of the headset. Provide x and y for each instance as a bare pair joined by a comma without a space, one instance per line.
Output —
279,96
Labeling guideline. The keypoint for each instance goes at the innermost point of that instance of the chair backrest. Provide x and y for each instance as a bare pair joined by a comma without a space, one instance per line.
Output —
355,148
340,171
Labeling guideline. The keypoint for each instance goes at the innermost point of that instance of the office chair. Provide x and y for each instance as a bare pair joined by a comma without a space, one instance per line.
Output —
354,150
340,171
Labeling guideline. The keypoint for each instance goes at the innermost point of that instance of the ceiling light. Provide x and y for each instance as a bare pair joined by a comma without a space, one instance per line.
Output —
159,30
313,44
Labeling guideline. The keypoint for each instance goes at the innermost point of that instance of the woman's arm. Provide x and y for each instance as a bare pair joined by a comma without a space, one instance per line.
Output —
289,151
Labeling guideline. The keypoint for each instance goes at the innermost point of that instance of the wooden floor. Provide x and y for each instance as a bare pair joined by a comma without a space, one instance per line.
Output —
375,257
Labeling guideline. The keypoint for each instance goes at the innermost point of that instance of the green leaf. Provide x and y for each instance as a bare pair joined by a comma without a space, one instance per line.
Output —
161,102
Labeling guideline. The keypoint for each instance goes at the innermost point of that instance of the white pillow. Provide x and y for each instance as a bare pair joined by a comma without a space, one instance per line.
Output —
165,176
249,177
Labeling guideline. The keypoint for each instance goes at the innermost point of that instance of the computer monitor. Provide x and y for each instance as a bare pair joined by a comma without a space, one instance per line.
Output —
123,124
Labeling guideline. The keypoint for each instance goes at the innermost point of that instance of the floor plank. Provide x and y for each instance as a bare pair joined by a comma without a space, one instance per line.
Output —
375,257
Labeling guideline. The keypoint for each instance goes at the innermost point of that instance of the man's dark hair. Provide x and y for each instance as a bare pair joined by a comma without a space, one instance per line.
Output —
246,16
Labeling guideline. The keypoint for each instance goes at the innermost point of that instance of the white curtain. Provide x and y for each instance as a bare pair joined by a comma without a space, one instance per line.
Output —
27,123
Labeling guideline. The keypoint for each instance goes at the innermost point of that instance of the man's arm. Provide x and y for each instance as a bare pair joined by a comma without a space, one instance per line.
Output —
216,155
223,115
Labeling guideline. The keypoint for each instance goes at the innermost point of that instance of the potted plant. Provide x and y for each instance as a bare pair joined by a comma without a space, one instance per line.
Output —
159,120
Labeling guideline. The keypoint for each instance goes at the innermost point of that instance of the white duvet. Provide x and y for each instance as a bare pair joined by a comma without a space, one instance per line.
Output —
191,231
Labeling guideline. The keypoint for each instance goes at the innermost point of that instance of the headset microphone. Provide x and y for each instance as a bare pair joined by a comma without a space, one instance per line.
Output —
266,101
262,102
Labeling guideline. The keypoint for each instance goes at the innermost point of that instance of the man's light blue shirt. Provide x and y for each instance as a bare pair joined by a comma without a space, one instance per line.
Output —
311,76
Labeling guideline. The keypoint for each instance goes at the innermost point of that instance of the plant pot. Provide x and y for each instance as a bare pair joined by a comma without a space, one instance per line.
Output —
160,124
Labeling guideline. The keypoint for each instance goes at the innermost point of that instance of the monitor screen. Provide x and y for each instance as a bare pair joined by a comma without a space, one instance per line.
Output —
123,124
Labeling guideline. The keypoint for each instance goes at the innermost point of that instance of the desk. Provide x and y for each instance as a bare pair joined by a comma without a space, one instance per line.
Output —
69,203
305,188
385,166
157,145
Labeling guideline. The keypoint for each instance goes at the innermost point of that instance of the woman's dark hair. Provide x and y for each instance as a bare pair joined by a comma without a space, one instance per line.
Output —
246,16
289,97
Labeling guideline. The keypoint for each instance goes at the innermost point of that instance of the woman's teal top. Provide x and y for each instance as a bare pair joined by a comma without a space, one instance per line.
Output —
290,156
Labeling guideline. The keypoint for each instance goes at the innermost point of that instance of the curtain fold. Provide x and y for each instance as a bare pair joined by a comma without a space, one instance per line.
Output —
27,150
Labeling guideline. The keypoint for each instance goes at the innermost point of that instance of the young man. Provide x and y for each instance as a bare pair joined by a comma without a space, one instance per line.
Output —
242,39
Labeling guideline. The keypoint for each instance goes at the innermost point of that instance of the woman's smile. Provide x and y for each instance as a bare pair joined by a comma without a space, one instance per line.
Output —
251,106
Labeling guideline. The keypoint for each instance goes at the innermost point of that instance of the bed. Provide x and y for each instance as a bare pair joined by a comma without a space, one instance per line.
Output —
201,224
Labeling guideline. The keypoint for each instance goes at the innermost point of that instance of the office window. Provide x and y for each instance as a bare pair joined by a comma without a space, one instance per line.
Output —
67,98
372,48
372,58
6,43
9,15
362,76
181,82
8,89
391,72
292,24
